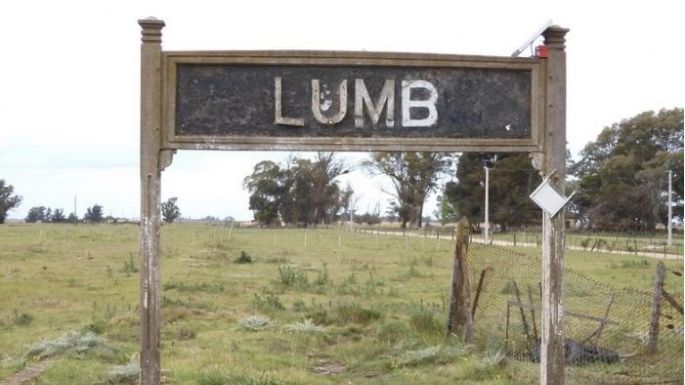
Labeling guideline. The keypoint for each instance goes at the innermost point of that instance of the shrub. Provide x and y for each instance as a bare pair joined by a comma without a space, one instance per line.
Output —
320,316
353,312
129,266
639,264
430,355
299,306
425,322
186,334
413,272
244,258
598,244
584,243
267,302
393,332
348,286
323,278
486,367
215,377
289,276
181,286
97,326
278,260
188,303
255,323
124,373
71,343
212,378
307,326
493,359
343,313
23,319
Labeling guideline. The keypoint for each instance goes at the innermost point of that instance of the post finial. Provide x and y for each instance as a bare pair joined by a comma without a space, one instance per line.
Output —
151,30
555,37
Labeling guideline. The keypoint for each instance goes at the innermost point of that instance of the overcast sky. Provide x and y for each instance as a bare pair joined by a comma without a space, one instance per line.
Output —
69,80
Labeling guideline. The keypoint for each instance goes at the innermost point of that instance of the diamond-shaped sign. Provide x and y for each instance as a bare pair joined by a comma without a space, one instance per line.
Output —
548,198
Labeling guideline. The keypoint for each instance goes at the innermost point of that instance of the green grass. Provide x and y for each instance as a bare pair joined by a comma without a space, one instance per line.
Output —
375,306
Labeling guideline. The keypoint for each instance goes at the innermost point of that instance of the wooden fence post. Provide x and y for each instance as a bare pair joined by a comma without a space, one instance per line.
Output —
652,343
459,318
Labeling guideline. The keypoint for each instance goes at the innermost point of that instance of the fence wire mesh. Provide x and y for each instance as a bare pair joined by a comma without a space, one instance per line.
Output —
607,329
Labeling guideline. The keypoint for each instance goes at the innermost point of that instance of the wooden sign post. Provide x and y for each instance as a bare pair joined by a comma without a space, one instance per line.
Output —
553,228
348,101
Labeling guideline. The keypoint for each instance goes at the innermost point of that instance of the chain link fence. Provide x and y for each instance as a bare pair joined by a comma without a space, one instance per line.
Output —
611,335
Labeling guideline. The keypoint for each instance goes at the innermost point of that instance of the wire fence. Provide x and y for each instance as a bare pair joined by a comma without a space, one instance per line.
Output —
629,243
611,335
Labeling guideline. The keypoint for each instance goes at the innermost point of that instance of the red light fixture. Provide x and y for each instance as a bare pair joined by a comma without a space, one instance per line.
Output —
542,51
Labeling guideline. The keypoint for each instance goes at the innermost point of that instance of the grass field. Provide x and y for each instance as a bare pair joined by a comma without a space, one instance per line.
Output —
250,306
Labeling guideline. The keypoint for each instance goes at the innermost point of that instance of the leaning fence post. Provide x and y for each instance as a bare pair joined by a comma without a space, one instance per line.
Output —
479,289
656,309
526,330
459,318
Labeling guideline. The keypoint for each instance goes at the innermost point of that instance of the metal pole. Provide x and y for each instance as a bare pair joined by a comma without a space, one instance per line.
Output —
670,208
487,204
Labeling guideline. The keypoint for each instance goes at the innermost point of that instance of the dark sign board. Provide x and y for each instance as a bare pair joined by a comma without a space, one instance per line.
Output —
350,101
366,102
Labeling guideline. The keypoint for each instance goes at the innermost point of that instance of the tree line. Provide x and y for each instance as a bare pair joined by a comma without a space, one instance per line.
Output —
622,176
94,214
44,214
621,180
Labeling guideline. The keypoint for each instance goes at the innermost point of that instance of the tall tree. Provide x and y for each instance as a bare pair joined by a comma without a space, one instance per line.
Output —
58,216
266,185
170,210
93,214
346,202
413,175
302,192
36,214
512,179
623,173
310,194
8,200
326,196
445,212
72,218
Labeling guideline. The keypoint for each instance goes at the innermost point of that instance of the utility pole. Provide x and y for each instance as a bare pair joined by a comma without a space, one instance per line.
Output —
670,208
487,204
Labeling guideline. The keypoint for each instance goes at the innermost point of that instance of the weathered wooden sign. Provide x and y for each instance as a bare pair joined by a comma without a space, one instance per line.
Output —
351,101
